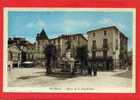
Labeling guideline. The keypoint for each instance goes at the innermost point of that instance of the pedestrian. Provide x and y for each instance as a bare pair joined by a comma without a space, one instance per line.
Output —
11,61
95,69
88,70
19,62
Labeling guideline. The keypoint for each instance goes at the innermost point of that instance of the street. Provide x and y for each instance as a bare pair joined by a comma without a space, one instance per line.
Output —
35,77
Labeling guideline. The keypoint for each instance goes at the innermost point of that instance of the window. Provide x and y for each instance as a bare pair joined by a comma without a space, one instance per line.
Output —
105,32
116,44
94,44
105,43
94,34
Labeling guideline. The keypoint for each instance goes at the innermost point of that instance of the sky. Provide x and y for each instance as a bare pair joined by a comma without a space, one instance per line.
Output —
28,24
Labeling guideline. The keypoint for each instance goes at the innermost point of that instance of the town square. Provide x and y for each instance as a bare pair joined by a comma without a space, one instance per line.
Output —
98,56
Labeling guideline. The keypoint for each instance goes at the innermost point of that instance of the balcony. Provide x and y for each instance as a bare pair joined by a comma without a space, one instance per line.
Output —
99,49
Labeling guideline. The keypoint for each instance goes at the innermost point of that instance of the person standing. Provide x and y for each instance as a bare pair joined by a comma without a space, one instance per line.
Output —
90,70
19,62
95,69
10,60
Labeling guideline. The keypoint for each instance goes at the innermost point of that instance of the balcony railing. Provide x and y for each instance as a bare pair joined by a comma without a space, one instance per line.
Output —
99,49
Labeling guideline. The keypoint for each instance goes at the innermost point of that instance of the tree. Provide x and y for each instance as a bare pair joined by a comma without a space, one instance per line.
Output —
50,55
82,56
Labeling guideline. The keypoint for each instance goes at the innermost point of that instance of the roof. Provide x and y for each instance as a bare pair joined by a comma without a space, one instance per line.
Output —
18,41
123,35
14,46
103,28
70,35
41,35
22,43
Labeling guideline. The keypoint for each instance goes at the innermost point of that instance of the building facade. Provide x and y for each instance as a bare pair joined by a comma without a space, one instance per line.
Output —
41,41
107,45
20,50
68,42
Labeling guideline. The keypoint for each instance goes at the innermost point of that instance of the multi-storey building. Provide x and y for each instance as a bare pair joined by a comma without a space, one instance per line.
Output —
41,41
20,50
29,50
68,42
107,46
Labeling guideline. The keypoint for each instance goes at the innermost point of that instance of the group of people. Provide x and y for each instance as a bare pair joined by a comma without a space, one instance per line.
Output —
92,69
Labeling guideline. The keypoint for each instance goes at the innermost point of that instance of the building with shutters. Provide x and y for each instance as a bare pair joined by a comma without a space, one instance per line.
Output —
107,47
68,42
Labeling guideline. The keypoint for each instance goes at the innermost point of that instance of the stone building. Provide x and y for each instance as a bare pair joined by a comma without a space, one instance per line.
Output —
20,50
107,46
68,42
41,41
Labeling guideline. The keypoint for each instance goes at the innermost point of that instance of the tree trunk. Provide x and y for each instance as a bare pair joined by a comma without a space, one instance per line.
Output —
48,67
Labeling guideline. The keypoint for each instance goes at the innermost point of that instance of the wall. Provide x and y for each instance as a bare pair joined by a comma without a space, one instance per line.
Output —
111,36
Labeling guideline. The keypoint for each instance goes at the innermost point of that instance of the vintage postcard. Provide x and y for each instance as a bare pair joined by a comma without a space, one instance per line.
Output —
69,50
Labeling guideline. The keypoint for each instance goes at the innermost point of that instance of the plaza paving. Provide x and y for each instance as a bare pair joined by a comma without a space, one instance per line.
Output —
35,77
